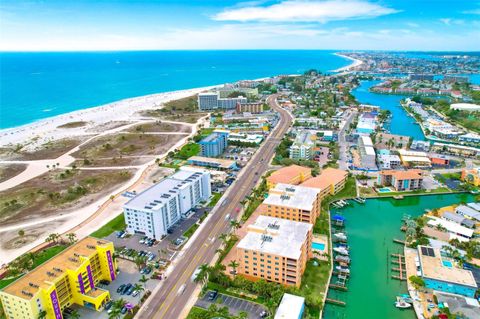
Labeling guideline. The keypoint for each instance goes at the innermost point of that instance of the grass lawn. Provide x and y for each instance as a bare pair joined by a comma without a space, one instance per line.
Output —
314,281
216,197
118,223
189,150
189,232
439,190
5,282
47,254
321,224
349,191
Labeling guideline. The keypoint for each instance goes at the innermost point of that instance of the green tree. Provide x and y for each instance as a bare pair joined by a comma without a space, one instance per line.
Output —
234,264
144,280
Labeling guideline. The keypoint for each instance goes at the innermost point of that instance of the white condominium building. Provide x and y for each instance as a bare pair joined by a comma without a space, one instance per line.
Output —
155,210
302,147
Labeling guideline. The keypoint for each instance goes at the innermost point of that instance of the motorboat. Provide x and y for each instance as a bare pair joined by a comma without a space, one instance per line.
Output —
341,250
402,304
343,270
340,236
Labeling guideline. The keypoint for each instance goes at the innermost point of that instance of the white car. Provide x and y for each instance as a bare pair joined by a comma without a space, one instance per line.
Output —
135,293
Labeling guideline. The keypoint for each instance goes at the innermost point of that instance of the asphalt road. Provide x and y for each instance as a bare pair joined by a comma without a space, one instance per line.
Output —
169,301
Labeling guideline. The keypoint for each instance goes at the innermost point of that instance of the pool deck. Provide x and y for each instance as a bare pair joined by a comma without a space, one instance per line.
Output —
321,239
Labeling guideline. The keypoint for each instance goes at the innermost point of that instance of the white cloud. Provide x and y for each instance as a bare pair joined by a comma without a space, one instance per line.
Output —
413,25
475,11
306,11
449,21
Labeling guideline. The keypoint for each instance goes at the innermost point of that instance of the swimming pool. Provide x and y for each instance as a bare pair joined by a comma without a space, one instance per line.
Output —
447,263
384,190
318,246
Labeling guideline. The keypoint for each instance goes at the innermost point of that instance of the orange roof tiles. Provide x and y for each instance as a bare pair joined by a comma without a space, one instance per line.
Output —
326,178
408,174
287,174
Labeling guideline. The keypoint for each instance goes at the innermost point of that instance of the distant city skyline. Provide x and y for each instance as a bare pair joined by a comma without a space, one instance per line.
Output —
437,25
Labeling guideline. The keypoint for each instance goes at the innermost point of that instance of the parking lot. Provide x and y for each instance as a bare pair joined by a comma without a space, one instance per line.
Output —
235,305
164,248
128,273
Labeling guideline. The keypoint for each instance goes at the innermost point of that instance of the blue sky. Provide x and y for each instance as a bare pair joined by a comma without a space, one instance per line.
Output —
68,25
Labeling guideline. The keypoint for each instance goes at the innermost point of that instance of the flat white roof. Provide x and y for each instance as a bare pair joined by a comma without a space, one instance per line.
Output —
451,226
465,106
276,236
475,206
366,140
155,196
292,196
403,152
416,159
291,307
468,211
370,150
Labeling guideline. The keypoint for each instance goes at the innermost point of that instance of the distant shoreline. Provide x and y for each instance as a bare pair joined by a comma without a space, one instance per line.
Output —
355,63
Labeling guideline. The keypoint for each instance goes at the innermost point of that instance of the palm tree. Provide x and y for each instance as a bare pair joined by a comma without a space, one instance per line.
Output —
21,233
140,261
74,315
138,288
117,308
42,314
223,237
234,224
234,264
202,275
71,237
144,280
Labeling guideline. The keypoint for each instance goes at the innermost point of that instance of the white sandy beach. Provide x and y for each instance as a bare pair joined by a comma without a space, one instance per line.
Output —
355,63
46,130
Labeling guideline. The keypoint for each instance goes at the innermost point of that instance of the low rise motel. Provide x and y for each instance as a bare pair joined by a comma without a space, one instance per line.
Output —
68,278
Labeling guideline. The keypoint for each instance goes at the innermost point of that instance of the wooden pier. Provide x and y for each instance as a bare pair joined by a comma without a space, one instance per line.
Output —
399,261
338,287
335,302
399,241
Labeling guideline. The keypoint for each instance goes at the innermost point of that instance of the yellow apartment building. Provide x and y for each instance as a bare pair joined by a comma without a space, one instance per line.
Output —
471,176
292,202
275,250
293,174
68,278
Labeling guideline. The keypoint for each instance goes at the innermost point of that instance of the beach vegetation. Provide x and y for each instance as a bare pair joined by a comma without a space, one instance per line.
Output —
116,224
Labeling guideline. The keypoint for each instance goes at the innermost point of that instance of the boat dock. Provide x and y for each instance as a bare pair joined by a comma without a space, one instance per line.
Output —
399,261
336,302
399,241
338,287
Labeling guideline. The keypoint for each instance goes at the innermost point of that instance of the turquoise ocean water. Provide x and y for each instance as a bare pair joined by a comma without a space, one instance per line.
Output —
34,86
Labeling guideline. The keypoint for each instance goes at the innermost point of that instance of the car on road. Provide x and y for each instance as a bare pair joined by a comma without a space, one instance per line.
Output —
212,295
181,290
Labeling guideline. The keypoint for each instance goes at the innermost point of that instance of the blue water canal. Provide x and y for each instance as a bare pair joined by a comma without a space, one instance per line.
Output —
401,123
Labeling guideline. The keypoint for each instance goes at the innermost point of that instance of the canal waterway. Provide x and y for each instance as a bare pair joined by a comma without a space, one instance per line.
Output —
401,123
371,228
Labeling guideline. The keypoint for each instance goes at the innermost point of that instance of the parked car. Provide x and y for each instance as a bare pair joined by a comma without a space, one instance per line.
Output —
264,314
108,305
120,289
124,310
120,233
130,290
212,295
135,293
125,289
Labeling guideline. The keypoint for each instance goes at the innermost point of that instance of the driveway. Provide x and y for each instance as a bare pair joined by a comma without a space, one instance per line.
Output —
235,305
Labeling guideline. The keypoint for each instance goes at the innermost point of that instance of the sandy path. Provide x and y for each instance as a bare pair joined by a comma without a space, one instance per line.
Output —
89,218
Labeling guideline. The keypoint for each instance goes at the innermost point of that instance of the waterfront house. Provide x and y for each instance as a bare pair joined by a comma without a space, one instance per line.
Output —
401,180
441,274
329,182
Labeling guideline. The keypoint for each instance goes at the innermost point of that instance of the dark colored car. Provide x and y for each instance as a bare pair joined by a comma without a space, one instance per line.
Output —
126,288
108,305
130,290
120,289
124,310
212,295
